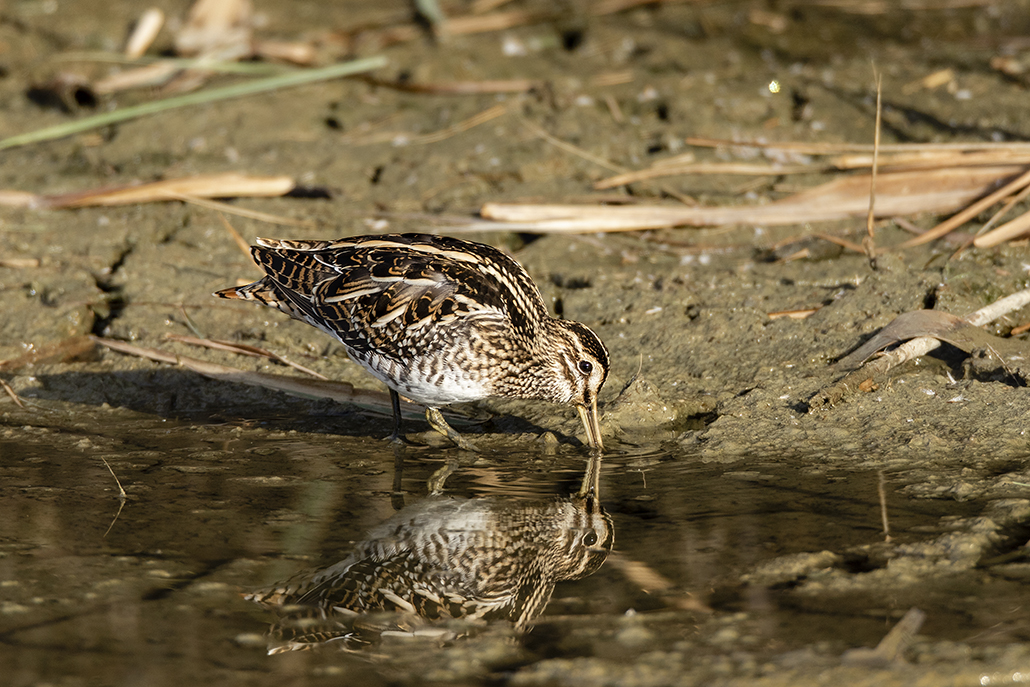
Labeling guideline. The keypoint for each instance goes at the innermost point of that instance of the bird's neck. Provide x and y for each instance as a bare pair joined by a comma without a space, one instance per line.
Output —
538,373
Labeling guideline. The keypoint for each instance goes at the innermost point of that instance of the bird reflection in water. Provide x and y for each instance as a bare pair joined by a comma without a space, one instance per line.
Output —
445,558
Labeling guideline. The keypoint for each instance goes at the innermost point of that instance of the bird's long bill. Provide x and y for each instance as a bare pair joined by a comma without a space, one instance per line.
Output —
592,424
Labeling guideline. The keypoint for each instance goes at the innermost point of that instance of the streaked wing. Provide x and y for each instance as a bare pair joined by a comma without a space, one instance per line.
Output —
391,292
396,582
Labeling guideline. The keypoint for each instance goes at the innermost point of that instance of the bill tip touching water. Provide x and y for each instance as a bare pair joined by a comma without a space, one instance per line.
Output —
439,320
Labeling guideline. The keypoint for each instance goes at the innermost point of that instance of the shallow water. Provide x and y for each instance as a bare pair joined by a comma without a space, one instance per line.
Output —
93,592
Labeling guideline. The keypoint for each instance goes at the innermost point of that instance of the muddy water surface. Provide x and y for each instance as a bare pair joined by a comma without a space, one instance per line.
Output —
791,563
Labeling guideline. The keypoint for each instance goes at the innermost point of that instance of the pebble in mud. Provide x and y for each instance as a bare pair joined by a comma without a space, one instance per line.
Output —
639,407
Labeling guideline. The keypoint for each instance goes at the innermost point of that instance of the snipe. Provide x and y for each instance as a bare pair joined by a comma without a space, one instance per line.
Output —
437,319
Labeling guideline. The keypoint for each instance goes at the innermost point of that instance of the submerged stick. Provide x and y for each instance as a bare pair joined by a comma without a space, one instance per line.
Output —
881,489
892,647
652,582
122,496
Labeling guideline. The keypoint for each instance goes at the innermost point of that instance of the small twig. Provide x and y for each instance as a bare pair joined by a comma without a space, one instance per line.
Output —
1004,210
903,192
458,87
190,324
473,121
62,351
838,148
240,243
1010,230
597,160
870,221
121,490
376,401
569,148
19,263
481,6
1002,306
243,349
950,238
612,79
494,21
142,37
844,243
11,393
225,185
985,237
614,109
907,225
240,212
969,213
676,168
122,497
881,488
205,63
799,314
1004,364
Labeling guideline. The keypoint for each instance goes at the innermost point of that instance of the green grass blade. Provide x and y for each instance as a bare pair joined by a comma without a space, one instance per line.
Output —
235,91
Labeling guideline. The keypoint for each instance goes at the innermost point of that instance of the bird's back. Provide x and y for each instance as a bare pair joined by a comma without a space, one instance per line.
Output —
392,293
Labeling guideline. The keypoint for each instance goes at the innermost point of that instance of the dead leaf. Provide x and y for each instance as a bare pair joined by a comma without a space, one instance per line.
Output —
936,324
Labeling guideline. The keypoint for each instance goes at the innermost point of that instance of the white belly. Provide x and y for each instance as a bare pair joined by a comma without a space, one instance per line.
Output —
434,388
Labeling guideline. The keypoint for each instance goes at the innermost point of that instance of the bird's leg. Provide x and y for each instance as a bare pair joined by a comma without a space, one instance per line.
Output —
397,495
436,421
436,481
395,401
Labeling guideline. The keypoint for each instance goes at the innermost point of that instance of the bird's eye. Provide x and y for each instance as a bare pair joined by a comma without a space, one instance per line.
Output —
586,367
590,539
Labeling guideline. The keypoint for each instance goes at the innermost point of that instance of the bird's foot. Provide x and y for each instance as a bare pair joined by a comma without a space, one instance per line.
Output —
436,481
437,422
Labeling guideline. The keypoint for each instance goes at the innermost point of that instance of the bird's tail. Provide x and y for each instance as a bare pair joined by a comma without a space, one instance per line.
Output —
260,291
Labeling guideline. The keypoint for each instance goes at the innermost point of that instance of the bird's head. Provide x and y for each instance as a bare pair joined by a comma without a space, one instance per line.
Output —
581,365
